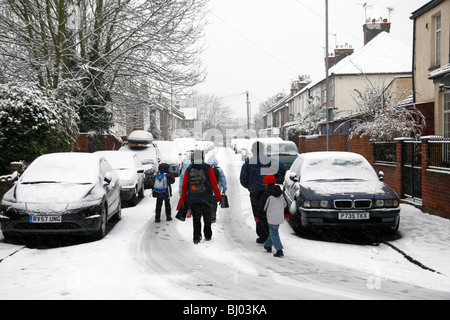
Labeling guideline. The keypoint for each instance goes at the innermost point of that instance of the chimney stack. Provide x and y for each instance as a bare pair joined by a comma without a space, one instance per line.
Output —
340,53
374,27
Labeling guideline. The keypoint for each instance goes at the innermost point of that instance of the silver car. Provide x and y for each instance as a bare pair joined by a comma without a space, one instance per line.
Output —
62,193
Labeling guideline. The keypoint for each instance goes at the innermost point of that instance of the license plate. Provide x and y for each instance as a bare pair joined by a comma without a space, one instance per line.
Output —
45,219
354,216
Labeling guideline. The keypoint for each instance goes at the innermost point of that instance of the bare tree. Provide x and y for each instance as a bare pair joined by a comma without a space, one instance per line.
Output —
100,43
211,111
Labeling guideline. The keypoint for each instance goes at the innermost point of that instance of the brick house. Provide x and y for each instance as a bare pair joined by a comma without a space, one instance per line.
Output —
431,77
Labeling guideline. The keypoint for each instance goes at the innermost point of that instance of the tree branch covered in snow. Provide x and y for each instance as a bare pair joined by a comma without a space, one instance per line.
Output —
98,43
385,117
33,122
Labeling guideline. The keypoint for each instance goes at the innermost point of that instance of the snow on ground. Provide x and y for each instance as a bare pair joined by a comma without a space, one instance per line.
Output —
140,259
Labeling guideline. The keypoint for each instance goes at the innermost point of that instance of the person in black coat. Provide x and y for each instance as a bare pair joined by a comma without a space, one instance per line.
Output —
163,192
252,175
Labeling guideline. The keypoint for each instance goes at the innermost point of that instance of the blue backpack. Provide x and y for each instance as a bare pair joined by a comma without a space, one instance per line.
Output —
160,185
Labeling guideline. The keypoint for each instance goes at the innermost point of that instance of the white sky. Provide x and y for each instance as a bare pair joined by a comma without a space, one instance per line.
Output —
262,45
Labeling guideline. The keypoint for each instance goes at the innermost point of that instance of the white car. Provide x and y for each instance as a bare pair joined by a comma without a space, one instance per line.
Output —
62,193
131,173
150,157
171,155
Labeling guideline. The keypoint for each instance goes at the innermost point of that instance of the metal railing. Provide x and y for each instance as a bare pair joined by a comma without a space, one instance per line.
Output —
385,152
439,153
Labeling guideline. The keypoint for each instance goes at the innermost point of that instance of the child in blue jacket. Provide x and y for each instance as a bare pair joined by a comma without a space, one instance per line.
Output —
162,191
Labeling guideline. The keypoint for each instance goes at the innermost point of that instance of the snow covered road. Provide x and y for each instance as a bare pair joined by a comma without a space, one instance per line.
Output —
140,259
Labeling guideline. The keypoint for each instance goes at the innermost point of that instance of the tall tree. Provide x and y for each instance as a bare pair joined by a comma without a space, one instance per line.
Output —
98,43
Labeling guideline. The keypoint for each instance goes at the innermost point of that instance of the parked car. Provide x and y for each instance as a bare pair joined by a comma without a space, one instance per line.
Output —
141,143
339,189
246,150
62,193
186,145
285,152
131,173
171,155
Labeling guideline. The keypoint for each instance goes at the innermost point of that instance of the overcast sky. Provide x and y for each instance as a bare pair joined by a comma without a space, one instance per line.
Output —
262,45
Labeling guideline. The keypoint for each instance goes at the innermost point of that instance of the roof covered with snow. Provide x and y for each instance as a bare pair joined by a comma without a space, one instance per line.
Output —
190,113
384,54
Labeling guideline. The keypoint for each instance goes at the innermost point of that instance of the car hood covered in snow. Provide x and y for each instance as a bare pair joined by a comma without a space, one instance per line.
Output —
332,188
56,197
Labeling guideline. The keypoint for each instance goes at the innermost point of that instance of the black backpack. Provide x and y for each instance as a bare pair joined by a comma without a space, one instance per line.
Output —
198,181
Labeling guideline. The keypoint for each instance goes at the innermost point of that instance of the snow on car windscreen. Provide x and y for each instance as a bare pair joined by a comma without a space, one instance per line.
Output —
282,148
330,167
62,168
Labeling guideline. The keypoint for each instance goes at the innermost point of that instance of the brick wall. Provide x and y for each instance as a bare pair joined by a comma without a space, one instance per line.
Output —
435,187
84,143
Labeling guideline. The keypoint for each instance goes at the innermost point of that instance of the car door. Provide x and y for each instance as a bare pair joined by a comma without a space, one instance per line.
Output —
140,173
292,178
113,188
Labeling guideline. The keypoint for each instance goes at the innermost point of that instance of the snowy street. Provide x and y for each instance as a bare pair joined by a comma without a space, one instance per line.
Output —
140,259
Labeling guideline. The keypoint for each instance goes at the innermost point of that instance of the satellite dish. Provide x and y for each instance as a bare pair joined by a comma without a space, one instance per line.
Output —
446,81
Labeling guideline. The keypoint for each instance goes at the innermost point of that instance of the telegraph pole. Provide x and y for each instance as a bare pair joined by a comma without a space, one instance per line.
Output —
327,76
248,110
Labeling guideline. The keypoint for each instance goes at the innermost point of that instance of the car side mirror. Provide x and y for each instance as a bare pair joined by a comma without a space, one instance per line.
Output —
293,177
15,177
108,178
381,175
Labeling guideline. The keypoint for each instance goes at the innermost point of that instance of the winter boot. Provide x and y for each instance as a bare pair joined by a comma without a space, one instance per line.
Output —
268,249
279,254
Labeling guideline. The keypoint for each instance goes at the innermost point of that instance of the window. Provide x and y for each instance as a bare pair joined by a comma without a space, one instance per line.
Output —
437,45
447,115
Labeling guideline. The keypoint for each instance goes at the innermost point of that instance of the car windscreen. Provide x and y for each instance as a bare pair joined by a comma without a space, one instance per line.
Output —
337,168
62,169
146,155
121,161
282,148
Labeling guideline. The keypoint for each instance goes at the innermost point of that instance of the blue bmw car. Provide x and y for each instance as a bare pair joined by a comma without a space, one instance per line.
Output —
339,190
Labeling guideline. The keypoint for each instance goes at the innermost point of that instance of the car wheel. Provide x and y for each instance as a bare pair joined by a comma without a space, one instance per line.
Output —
118,215
101,233
141,193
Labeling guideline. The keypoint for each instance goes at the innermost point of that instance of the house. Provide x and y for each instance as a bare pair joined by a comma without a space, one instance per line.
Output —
431,76
190,117
161,118
281,115
382,59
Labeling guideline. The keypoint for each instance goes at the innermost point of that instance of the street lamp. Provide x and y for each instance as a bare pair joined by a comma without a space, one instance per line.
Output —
327,76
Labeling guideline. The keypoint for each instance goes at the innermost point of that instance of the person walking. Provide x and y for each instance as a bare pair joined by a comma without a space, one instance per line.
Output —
162,191
252,175
222,184
199,183
272,207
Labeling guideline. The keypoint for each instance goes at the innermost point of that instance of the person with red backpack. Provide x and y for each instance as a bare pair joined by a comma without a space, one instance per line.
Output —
199,183
162,191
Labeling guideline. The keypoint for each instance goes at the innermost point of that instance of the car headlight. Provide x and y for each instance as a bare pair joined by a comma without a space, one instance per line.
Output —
316,204
379,203
126,184
388,203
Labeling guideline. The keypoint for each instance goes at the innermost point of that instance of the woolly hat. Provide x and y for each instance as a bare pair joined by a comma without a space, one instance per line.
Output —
269,179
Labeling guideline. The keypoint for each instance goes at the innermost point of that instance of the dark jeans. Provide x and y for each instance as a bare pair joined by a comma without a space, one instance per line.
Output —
262,227
159,202
199,210
214,211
